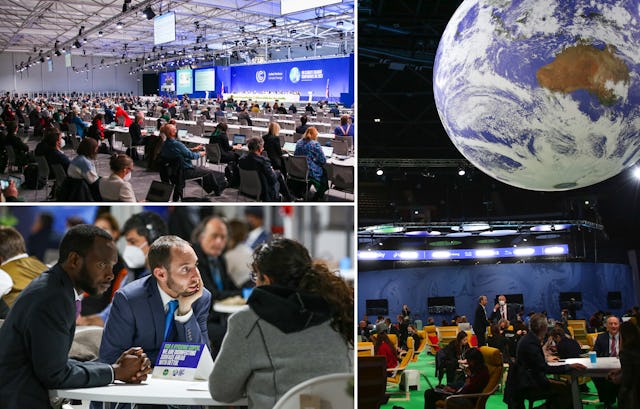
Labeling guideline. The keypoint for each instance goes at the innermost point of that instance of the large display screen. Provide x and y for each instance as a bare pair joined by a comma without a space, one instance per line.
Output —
320,79
185,81
205,79
164,28
292,6
167,82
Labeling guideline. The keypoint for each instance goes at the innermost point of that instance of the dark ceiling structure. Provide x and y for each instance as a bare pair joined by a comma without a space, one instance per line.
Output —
401,136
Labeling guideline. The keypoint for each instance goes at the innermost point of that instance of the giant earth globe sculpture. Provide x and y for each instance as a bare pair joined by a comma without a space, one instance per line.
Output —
542,94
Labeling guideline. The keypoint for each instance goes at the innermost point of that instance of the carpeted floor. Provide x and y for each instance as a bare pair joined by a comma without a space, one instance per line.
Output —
414,399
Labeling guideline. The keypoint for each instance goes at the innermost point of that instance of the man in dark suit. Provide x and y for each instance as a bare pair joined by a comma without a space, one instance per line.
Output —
607,344
211,239
37,335
271,180
528,377
502,310
139,311
480,321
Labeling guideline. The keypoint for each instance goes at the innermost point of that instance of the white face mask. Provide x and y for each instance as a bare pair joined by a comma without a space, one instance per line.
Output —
501,302
127,177
134,256
62,143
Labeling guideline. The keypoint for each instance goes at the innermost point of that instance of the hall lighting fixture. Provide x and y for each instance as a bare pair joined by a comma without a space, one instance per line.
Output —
77,44
379,172
119,25
465,254
636,172
461,172
273,22
100,33
125,5
148,12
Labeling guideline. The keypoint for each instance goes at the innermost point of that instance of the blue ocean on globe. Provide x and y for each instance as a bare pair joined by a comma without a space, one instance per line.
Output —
542,94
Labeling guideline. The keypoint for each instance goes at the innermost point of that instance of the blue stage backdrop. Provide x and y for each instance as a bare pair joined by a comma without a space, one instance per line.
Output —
322,77
539,283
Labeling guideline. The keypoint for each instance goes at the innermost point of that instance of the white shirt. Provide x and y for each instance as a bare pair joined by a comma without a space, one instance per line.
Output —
165,303
6,283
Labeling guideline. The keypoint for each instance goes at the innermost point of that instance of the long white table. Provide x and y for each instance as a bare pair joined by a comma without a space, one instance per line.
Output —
152,391
600,369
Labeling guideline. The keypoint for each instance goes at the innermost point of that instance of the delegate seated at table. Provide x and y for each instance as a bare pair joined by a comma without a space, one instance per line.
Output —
36,337
171,304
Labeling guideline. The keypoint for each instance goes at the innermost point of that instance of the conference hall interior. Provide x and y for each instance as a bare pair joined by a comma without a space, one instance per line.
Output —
444,217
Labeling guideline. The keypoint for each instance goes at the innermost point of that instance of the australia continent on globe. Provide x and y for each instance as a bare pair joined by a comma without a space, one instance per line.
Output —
542,94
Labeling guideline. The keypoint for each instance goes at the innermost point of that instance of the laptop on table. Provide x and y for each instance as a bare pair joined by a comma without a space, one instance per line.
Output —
239,139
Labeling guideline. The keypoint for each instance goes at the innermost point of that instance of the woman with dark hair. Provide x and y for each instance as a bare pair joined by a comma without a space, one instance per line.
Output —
383,346
453,353
499,341
299,325
82,167
219,137
477,378
629,373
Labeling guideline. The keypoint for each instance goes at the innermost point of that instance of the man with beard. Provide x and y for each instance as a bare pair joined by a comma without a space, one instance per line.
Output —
171,304
36,337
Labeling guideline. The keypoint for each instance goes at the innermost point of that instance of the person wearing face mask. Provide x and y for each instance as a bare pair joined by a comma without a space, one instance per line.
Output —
51,148
117,187
502,310
170,305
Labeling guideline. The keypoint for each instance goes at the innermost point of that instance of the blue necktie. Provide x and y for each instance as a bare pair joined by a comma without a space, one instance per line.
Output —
168,321
215,273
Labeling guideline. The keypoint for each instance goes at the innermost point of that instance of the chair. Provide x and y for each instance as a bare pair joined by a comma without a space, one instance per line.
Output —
282,139
250,184
493,360
342,179
11,158
446,334
332,391
159,192
171,171
579,329
432,336
347,139
394,375
298,171
420,348
297,136
43,174
214,155
59,173
365,349
591,338
340,147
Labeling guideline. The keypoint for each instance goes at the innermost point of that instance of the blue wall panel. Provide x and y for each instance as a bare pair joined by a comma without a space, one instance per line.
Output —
540,284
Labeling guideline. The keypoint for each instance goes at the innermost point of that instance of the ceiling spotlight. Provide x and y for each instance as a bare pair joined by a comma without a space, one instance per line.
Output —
379,172
58,53
148,12
41,59
636,172
77,44
461,171
100,33
119,25
84,41
273,22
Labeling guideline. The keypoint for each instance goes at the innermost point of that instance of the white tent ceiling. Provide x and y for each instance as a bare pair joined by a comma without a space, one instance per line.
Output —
254,29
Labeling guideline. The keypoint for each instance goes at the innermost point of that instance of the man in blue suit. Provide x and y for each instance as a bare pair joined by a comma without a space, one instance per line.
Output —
37,335
139,310
607,344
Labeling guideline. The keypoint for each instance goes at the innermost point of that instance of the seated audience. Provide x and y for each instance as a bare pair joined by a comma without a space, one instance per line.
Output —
303,125
135,130
308,146
220,138
172,149
608,344
83,166
273,148
451,356
499,341
382,345
477,378
271,180
123,117
300,315
345,128
117,187
238,254
51,148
